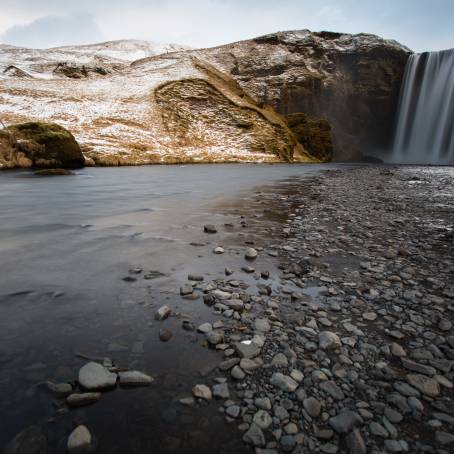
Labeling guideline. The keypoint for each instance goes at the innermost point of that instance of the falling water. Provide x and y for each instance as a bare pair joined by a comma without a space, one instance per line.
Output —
425,127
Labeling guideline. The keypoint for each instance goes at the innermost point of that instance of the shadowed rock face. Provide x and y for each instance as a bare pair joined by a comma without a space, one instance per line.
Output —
351,80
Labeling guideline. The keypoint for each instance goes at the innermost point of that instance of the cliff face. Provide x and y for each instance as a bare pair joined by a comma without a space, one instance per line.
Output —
293,96
353,81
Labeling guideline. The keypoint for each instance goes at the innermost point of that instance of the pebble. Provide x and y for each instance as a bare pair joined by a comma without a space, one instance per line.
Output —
81,399
202,392
345,422
165,335
254,436
328,340
210,228
312,406
205,328
251,254
134,378
283,382
162,313
94,376
80,440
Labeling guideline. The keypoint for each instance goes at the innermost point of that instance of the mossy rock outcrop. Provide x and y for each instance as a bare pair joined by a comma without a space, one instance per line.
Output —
43,145
313,133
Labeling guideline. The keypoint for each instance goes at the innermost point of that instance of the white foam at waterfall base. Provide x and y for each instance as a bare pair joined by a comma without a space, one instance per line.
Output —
425,126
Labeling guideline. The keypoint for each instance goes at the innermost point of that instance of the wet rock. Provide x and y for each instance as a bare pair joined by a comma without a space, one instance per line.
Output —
80,441
262,419
396,445
397,350
162,313
233,411
262,325
247,349
237,373
221,390
165,335
82,399
31,440
205,328
279,360
186,290
60,389
356,443
254,436
134,378
202,392
427,386
210,228
195,277
94,376
215,337
283,382
328,340
345,422
312,406
251,254
332,389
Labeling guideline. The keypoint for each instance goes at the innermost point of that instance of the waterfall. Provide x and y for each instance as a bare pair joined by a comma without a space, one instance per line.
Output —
425,125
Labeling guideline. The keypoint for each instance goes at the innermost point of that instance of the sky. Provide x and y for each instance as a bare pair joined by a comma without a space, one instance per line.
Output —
419,24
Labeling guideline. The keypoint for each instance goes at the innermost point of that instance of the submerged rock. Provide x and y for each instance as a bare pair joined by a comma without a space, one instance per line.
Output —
80,441
134,378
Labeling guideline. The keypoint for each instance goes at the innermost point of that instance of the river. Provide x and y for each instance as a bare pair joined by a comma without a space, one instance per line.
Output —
66,243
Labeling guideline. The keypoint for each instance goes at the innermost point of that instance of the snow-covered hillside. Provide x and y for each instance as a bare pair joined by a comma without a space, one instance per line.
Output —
40,63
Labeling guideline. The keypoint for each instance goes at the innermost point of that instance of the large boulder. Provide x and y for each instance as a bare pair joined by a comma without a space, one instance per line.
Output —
44,145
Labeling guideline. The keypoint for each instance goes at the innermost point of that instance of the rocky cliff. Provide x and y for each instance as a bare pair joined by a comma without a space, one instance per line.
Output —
353,81
294,96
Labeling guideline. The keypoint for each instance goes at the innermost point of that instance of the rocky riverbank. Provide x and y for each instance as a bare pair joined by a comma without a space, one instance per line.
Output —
326,305
351,349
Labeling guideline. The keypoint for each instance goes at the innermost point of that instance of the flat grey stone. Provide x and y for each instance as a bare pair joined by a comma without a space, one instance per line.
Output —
247,349
283,382
94,376
328,340
81,399
162,313
263,419
332,389
80,440
345,422
134,378
312,406
254,436
202,392
221,390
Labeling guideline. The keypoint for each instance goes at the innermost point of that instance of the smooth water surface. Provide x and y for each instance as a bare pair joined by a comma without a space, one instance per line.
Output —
66,243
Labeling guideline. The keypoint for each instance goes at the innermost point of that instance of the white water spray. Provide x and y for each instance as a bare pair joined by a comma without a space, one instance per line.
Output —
425,127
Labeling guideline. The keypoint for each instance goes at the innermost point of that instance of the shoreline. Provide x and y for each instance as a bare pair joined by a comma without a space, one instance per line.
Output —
348,352
329,260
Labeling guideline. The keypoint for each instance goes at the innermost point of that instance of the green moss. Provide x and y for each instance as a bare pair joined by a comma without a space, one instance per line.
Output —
48,145
313,133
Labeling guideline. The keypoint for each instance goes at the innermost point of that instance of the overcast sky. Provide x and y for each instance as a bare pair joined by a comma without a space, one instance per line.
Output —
419,24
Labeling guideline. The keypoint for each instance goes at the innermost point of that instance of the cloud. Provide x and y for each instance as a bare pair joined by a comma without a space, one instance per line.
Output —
50,31
211,22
